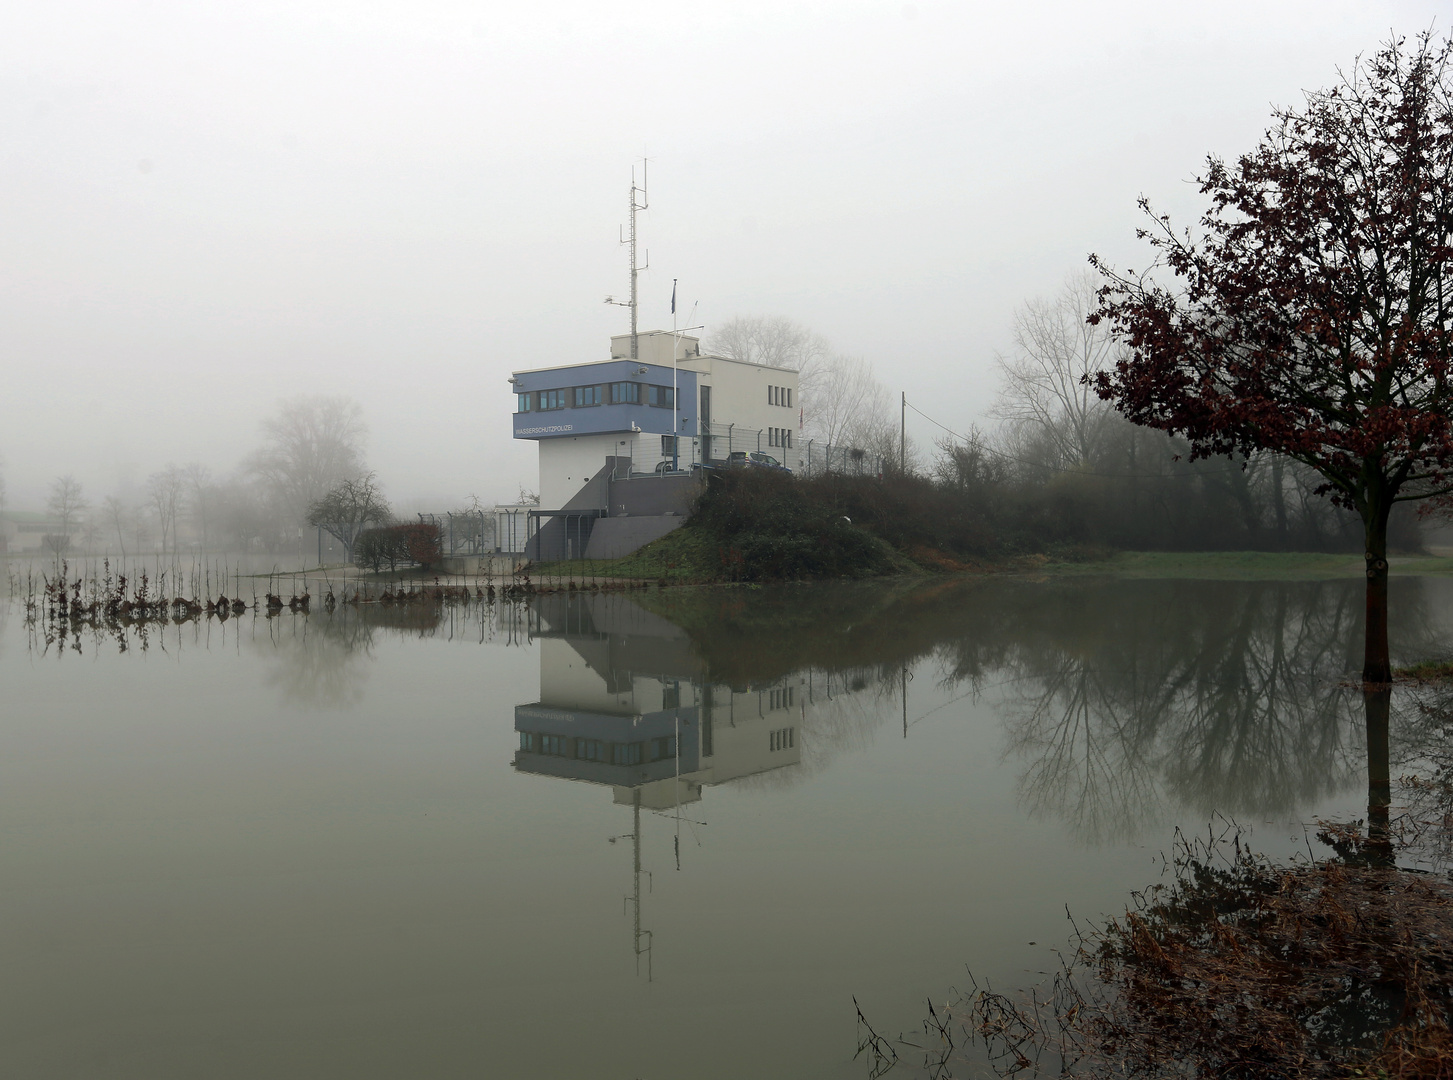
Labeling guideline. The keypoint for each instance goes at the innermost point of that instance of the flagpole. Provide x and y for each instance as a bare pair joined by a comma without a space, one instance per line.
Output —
675,391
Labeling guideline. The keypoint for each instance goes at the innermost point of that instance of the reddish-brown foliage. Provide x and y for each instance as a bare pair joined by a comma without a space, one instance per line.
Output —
1313,316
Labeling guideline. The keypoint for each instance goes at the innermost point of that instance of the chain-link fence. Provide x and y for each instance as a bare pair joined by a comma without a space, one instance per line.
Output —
464,532
658,454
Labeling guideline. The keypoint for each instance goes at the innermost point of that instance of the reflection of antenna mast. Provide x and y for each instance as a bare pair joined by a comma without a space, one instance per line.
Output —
635,898
635,269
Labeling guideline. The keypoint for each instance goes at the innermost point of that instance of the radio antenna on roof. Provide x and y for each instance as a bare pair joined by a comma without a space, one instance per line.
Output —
635,206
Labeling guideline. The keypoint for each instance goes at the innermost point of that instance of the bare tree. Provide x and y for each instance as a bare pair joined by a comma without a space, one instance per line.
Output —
775,341
849,403
1046,401
66,501
843,403
201,494
349,508
164,492
116,516
313,444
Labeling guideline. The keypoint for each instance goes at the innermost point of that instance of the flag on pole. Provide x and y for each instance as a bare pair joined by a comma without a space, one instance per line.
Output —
673,296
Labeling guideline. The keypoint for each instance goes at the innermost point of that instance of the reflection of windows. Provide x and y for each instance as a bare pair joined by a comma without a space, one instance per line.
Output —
527,403
625,753
625,393
780,699
552,399
589,750
783,739
671,697
587,395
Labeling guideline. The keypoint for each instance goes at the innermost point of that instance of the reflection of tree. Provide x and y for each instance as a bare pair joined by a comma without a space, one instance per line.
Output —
1213,696
322,660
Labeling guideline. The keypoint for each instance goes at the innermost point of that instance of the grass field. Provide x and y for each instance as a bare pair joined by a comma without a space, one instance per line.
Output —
1240,565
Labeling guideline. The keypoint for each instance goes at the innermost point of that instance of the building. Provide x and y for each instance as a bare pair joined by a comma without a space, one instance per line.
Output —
23,532
625,702
624,438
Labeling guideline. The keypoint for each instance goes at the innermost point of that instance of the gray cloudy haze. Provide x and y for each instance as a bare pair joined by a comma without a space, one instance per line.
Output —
208,207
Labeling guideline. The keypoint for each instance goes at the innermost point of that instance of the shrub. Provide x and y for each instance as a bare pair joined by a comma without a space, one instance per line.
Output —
420,544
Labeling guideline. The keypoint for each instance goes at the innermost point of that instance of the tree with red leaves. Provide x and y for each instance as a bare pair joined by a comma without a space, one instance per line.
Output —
1311,316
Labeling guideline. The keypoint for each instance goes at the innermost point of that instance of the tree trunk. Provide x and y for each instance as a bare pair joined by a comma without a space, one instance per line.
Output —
1379,776
1279,500
1376,665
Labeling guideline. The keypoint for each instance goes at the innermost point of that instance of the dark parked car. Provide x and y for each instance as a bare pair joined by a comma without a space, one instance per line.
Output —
755,459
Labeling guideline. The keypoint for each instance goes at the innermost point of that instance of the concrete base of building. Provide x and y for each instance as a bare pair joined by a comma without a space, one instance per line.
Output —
617,537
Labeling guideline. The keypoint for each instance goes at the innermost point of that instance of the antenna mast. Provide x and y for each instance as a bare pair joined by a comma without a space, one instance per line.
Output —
635,269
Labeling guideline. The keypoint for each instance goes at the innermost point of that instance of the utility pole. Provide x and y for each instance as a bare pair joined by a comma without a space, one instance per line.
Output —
903,432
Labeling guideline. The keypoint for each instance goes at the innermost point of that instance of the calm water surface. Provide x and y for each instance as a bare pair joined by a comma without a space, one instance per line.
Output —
655,836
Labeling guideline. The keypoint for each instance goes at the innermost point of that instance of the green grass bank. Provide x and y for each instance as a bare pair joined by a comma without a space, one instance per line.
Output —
756,526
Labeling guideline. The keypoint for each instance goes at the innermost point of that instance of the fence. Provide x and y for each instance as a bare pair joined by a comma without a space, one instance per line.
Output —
464,532
810,457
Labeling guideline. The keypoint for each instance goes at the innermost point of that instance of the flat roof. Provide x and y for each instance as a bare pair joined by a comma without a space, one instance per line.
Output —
683,362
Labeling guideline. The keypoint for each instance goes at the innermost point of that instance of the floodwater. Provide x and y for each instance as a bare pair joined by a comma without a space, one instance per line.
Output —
645,835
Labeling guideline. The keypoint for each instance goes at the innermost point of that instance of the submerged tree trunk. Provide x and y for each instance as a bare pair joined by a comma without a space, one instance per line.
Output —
1376,665
1379,774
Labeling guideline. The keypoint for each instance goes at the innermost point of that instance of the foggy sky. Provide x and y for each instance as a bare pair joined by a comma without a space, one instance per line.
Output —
206,207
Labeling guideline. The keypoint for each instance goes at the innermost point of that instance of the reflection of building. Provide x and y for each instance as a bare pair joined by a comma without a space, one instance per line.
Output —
624,702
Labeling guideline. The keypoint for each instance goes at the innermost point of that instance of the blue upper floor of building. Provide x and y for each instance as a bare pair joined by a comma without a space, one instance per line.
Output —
606,397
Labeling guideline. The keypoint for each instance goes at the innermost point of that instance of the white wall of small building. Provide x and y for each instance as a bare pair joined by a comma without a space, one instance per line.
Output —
569,462
740,396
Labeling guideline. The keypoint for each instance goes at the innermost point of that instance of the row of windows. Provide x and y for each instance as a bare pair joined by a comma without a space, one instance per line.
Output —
594,750
579,397
779,436
783,739
779,395
780,699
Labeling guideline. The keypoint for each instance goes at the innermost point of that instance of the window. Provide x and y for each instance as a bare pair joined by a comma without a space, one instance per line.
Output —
788,402
782,739
527,403
660,396
558,745
587,395
589,750
625,393
771,395
779,395
625,753
527,741
780,699
552,399
663,748
671,697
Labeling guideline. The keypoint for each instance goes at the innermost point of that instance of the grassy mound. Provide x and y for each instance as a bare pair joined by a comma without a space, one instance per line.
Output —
755,525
